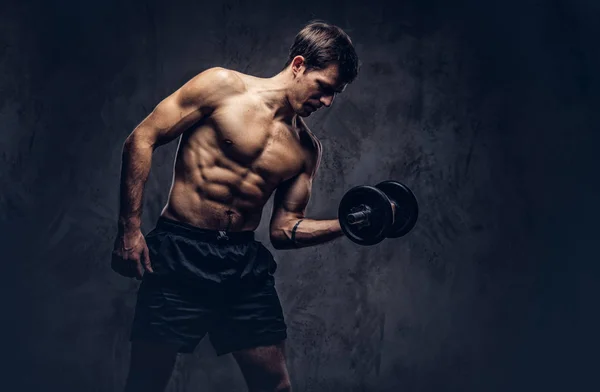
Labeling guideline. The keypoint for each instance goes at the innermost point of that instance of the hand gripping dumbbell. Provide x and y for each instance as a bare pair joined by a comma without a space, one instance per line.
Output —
369,214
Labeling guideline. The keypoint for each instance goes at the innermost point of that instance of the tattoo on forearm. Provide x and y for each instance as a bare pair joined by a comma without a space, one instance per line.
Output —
294,232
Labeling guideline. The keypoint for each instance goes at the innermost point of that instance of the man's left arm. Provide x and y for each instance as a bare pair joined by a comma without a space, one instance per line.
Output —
288,227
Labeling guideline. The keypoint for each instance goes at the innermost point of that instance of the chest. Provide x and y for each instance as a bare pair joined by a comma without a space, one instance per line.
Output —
247,134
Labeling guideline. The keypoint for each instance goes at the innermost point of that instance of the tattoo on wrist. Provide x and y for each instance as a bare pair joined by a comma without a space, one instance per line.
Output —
294,232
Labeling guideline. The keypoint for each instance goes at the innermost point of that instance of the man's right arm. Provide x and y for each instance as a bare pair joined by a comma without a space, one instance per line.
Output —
171,117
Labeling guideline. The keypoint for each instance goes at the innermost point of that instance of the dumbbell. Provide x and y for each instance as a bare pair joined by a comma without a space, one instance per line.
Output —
369,214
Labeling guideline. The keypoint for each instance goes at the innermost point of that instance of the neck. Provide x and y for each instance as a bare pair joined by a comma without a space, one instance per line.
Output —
275,94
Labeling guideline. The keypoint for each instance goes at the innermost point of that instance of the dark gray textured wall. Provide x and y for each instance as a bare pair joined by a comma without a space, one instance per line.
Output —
486,109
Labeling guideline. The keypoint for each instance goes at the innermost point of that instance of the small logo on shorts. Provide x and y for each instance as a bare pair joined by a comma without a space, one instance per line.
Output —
222,235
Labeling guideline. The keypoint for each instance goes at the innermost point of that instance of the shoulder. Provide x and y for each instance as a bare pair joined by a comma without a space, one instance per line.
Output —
213,85
224,77
312,145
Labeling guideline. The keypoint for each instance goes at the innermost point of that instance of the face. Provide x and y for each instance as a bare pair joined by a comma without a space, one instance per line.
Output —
314,88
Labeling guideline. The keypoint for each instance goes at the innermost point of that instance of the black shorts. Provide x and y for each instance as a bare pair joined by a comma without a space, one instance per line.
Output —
207,281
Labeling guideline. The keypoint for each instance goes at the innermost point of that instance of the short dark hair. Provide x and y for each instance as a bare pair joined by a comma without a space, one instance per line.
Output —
321,44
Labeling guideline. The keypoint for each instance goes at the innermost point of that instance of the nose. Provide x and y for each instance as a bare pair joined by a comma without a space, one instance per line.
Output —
327,100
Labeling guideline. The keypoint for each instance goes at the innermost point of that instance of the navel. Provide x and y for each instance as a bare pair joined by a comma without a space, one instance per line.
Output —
229,216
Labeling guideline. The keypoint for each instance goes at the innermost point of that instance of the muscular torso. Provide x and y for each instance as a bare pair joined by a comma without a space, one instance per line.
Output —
228,164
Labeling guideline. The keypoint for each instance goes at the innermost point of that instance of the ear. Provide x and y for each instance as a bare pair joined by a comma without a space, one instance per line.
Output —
298,65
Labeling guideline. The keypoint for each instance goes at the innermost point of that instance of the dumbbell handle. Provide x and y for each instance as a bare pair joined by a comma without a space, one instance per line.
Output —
358,217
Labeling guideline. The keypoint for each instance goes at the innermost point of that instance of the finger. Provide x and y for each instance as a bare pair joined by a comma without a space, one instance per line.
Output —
146,256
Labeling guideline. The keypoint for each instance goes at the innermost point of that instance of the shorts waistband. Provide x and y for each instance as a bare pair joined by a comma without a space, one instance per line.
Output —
201,233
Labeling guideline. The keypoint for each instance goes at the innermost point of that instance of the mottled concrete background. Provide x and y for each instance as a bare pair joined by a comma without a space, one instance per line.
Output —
487,110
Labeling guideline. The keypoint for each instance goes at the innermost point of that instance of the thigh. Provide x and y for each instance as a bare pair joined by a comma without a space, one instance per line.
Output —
251,317
170,314
150,366
264,367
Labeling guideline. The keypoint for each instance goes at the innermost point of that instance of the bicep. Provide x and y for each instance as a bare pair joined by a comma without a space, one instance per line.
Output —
291,199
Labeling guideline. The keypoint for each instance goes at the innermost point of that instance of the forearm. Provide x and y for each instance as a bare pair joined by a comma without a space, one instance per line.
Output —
308,232
136,163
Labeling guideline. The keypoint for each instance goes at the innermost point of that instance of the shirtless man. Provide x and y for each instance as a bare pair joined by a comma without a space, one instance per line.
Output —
202,271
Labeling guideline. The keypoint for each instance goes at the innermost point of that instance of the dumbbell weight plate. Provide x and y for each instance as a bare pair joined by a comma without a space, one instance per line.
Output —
379,219
407,208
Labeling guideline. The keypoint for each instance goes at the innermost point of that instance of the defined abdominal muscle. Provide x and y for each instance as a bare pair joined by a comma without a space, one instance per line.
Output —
214,192
212,206
225,171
